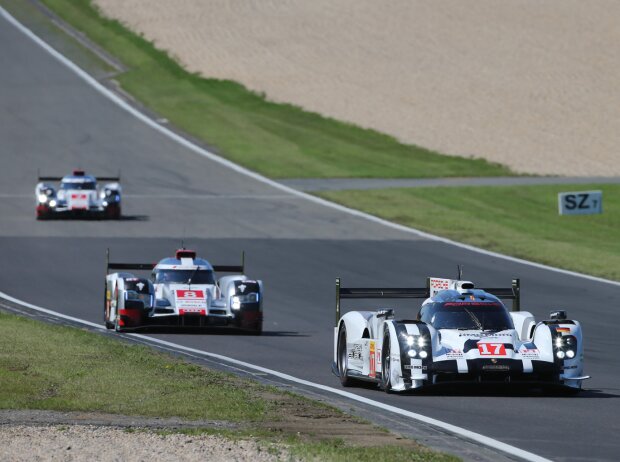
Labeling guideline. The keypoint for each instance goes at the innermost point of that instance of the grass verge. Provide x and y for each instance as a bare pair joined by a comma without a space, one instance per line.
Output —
515,220
277,140
66,369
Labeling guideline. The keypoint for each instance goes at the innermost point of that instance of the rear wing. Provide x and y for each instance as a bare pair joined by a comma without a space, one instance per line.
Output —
511,293
149,266
42,178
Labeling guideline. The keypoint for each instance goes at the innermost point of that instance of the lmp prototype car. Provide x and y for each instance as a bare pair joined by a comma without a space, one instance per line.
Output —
78,196
461,334
182,291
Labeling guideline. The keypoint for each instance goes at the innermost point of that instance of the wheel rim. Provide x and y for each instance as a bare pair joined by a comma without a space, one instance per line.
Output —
342,354
385,367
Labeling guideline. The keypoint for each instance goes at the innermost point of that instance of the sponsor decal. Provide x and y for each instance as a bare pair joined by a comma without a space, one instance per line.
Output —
440,284
242,287
495,367
373,371
564,330
78,201
191,301
356,352
488,349
483,334
192,311
529,353
454,353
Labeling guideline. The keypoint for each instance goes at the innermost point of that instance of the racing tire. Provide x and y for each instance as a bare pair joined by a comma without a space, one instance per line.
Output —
386,376
106,314
113,212
342,358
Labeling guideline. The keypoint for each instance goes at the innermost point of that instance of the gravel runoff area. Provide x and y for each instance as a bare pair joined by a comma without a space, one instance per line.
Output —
44,435
529,84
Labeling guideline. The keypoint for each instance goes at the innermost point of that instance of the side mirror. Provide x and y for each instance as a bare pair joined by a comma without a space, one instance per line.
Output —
559,314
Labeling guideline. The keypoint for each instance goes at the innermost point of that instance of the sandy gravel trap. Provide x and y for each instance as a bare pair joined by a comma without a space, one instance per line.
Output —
103,443
530,84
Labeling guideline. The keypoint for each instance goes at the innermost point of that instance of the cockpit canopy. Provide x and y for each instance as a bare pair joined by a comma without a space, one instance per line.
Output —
489,315
183,276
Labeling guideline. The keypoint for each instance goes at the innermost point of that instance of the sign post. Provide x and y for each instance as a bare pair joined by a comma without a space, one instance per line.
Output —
580,203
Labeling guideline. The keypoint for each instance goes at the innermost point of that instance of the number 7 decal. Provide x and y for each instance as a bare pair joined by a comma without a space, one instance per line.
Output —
496,349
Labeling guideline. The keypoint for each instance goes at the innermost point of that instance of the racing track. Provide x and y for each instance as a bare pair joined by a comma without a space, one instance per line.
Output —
52,120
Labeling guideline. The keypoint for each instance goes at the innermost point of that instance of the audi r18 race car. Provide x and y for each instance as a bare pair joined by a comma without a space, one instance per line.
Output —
182,291
78,195
461,334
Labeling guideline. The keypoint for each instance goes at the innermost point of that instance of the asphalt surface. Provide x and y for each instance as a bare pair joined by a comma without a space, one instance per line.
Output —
53,121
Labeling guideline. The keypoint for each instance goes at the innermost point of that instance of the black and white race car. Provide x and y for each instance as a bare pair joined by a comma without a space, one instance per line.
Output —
78,195
182,291
460,334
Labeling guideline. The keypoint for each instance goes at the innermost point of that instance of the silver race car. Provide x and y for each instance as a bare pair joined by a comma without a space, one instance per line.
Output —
78,195
461,334
182,291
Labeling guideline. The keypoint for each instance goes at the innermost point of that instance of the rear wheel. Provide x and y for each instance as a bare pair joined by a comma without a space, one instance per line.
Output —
386,376
106,309
343,358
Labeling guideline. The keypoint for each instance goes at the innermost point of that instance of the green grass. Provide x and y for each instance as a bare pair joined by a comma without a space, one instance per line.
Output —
59,368
51,367
516,220
278,140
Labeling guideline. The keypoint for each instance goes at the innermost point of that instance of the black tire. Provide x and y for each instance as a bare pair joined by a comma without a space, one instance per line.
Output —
106,322
386,380
342,358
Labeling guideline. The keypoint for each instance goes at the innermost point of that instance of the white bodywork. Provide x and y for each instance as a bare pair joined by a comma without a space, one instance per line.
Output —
232,300
422,355
77,194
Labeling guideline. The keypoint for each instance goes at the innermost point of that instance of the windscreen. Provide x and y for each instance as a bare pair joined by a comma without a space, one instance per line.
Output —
85,186
183,276
474,315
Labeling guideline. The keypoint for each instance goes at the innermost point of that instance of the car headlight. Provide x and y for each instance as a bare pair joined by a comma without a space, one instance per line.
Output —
52,203
237,300
42,198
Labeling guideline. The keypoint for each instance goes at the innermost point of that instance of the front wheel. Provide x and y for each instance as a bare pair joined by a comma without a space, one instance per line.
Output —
343,357
386,375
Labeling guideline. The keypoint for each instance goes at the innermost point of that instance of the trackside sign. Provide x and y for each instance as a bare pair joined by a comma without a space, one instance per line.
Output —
580,203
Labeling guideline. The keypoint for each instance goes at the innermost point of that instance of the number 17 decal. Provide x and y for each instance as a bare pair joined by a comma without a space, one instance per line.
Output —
496,349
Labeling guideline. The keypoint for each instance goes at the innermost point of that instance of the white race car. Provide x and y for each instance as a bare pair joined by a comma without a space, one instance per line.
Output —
78,196
461,334
182,291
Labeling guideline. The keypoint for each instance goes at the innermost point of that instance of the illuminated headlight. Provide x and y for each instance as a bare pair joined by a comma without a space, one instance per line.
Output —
52,203
410,340
237,300
412,353
42,198
423,354
560,354
570,354
558,342
421,342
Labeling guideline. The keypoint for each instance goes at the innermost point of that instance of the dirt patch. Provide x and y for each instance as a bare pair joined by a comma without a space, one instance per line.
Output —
314,422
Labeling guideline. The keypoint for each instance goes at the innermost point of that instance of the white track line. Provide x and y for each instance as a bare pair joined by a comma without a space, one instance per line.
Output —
237,168
453,429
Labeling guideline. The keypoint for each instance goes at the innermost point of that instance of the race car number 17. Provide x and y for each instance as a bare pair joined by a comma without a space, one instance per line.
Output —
496,349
